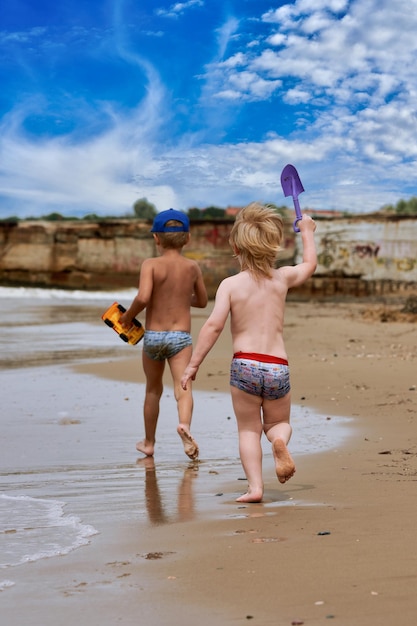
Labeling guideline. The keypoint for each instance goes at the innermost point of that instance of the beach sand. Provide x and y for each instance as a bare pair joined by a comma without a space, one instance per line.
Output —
336,544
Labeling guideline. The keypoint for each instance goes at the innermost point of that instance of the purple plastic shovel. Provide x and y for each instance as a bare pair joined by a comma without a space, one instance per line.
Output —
292,186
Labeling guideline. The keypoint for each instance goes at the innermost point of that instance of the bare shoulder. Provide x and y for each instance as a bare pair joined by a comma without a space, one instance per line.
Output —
284,272
191,262
149,263
239,281
229,286
229,283
192,268
187,264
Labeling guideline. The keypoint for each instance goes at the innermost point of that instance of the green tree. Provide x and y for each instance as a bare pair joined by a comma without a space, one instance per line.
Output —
213,211
407,207
92,217
194,213
403,207
144,210
53,217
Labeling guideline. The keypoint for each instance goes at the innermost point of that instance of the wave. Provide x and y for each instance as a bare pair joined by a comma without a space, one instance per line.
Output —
38,293
35,528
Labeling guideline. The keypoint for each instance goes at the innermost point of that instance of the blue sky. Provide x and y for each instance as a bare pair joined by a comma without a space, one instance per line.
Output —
203,102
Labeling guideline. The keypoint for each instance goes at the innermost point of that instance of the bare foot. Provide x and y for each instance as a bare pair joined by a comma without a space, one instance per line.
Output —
252,495
284,465
145,447
190,445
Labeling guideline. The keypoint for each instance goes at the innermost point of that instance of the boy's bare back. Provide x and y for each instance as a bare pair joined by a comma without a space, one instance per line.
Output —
257,312
170,284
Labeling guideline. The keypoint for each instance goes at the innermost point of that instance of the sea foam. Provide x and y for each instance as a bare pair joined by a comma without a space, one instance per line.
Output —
37,528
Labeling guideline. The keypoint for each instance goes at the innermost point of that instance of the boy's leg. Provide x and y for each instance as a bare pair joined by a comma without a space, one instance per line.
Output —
247,408
184,398
276,419
153,371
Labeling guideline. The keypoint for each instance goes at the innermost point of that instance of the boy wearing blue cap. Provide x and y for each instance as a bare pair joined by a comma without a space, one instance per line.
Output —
169,286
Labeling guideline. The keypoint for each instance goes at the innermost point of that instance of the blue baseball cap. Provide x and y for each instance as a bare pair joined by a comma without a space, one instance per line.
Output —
159,223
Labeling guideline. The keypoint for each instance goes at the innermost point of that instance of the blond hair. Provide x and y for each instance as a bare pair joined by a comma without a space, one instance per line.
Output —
174,240
256,238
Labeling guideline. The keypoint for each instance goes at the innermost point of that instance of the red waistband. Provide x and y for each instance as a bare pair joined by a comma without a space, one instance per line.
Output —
263,358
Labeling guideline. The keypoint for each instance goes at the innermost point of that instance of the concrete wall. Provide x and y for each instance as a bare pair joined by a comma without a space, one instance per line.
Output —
371,249
357,256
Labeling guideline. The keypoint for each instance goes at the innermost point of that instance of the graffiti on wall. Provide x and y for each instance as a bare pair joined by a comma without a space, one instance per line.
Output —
345,252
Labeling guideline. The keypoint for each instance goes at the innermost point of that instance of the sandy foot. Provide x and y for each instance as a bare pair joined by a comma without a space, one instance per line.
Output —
284,465
145,447
251,496
190,445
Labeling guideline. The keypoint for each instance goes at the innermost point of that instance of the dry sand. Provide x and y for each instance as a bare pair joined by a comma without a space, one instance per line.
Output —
346,555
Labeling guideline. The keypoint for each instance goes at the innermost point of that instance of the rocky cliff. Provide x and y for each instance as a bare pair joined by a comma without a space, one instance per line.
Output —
357,256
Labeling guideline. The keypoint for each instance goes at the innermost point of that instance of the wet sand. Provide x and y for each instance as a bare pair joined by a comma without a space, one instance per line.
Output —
335,544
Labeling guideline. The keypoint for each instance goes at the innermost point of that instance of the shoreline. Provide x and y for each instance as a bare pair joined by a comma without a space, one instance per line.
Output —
324,556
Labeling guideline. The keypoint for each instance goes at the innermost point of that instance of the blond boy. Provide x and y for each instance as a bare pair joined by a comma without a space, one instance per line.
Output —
259,376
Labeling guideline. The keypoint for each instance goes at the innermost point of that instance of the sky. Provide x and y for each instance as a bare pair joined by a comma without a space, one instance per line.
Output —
203,102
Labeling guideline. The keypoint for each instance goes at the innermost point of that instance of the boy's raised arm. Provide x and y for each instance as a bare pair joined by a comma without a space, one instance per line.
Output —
298,274
309,246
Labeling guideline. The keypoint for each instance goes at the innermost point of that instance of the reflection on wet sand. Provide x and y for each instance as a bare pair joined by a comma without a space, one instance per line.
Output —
185,510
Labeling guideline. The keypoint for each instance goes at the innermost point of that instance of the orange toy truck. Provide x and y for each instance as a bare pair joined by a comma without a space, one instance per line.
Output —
111,317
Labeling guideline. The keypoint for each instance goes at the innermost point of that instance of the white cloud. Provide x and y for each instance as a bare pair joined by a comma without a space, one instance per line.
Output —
336,6
178,8
224,35
295,96
236,60
277,39
107,174
251,83
368,41
349,79
21,36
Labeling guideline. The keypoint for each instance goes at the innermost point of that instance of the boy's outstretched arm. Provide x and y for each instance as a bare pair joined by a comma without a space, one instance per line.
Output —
208,334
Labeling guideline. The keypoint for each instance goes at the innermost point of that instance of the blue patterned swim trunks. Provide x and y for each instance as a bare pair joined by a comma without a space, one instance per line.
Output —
269,378
159,345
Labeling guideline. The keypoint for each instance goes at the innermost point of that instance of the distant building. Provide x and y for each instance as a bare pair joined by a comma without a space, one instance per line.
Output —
232,211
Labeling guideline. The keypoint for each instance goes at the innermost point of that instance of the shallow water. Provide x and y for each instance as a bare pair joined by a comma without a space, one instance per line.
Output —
37,528
68,461
39,326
